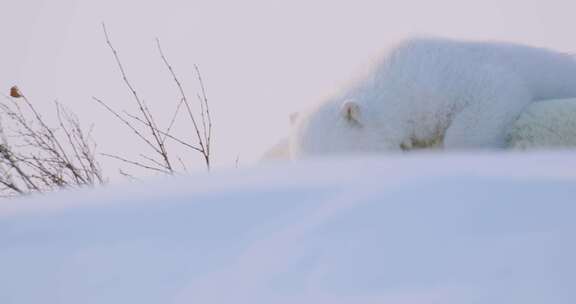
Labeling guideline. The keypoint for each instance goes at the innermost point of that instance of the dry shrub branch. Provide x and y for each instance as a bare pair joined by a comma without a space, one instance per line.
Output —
36,156
144,125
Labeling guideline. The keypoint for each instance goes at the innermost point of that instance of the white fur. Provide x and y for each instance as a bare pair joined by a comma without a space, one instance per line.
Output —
435,93
545,125
278,152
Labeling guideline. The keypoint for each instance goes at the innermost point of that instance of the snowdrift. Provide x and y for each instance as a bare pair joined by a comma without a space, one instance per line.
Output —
490,228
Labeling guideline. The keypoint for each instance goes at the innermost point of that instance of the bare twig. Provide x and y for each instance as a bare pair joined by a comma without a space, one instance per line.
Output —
204,100
203,142
147,128
130,126
148,118
176,139
135,163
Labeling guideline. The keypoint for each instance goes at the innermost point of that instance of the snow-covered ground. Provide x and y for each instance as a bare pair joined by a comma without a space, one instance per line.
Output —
444,228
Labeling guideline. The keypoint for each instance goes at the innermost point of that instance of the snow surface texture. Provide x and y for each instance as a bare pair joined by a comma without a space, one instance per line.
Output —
426,92
491,228
545,125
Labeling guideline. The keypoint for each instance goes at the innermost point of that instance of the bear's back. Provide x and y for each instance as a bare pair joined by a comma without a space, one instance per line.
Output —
548,74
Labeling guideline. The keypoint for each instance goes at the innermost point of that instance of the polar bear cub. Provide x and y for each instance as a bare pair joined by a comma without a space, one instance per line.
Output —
549,124
431,92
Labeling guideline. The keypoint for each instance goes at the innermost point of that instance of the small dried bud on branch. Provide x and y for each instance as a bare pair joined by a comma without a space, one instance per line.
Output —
15,92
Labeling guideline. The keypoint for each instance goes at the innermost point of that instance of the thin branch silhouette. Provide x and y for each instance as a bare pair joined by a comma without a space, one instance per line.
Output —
145,125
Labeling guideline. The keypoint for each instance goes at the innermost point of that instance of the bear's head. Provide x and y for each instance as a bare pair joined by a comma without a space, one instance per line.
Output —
336,128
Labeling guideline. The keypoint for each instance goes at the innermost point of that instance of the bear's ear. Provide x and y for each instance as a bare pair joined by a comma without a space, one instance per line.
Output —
351,111
294,117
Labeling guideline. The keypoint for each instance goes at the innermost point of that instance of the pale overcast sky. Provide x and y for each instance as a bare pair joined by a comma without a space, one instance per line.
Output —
261,60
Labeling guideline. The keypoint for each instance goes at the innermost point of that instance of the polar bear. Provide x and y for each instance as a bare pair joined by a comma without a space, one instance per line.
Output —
549,124
433,92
